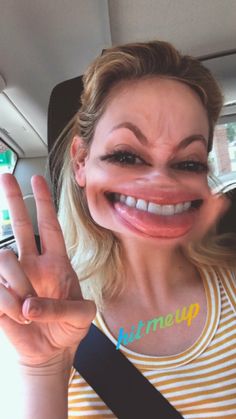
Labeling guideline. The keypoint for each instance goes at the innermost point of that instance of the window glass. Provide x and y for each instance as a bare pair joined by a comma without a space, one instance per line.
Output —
222,158
8,159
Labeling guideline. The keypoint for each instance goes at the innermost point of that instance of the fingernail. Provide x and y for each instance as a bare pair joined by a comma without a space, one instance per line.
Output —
34,309
31,307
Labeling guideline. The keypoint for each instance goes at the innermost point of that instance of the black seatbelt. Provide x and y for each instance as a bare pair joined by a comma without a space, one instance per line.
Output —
116,380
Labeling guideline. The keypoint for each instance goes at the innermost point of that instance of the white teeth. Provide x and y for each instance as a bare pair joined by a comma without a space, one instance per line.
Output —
130,201
143,205
179,208
187,205
154,208
168,209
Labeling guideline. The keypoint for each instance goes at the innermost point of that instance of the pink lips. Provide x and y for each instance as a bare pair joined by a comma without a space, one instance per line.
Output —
155,225
162,226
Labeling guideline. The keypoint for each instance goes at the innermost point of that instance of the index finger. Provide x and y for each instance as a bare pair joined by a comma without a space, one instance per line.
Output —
51,237
20,220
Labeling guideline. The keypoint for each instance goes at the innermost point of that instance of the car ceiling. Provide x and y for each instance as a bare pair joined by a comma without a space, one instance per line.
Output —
45,42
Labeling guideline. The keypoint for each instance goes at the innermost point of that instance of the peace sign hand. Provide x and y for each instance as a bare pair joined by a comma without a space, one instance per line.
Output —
42,310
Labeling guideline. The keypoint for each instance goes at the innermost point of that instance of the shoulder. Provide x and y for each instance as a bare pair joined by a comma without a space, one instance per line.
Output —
227,276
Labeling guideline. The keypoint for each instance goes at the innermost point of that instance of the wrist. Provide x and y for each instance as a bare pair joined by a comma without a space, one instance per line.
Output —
44,388
60,364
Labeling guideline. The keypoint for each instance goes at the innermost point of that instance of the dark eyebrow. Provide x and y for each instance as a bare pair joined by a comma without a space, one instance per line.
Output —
189,140
143,139
136,131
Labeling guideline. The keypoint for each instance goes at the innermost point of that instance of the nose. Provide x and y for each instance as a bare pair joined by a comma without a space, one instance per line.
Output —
160,175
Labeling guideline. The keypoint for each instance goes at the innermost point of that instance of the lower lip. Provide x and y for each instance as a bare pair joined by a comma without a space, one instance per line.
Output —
163,226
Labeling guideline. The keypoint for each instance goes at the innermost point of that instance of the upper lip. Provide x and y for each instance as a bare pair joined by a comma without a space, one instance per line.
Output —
161,197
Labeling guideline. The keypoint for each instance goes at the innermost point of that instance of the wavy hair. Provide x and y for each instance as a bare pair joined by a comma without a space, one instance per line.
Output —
95,253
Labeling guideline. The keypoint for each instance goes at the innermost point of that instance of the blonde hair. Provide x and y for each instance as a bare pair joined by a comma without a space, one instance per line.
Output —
95,252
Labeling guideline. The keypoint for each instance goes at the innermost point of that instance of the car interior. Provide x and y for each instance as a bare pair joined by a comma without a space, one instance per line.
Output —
45,46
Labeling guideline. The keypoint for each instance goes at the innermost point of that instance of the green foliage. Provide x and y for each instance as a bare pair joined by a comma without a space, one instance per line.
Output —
231,131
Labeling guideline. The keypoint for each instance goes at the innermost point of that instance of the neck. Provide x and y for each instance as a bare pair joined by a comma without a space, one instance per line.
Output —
156,275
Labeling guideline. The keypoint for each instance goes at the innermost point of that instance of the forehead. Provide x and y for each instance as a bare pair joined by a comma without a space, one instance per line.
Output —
160,107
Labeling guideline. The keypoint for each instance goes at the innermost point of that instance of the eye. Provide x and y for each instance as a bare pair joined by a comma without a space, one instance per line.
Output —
192,166
123,157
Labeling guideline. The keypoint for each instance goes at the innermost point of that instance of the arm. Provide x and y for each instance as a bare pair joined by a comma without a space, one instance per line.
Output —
44,391
42,311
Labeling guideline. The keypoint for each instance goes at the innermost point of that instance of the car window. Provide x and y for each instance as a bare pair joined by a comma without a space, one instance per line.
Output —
222,158
8,160
223,154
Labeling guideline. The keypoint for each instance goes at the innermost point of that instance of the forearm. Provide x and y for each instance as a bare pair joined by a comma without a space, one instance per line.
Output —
44,393
44,398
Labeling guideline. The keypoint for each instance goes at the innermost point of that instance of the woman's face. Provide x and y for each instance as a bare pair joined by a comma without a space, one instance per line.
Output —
146,172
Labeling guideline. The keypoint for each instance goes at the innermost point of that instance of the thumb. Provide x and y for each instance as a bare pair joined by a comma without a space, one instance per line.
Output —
78,313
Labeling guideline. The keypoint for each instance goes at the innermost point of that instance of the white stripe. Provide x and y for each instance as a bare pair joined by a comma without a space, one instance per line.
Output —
199,398
216,358
82,396
227,308
87,404
211,415
77,379
224,328
208,405
230,317
224,345
191,369
224,337
188,391
90,413
196,379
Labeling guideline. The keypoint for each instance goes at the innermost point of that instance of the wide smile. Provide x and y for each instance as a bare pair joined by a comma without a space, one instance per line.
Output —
172,219
153,208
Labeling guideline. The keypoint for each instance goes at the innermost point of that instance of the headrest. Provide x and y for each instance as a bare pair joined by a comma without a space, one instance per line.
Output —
63,104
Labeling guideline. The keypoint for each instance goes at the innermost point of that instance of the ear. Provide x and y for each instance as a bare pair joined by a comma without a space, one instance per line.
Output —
78,152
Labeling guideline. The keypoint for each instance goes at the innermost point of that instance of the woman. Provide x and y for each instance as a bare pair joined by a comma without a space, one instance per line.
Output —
138,220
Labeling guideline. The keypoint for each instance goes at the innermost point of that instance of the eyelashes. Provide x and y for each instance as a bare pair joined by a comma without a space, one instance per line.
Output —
123,157
128,158
192,166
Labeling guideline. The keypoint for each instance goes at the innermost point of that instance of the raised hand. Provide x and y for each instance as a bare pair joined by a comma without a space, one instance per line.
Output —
42,310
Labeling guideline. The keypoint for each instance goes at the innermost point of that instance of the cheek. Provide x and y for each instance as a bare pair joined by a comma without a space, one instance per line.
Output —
198,184
99,181
101,178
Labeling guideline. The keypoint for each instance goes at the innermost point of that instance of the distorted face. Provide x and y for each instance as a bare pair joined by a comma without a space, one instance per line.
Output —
145,176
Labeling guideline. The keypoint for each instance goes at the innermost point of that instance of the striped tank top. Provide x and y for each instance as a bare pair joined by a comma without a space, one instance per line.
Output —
199,382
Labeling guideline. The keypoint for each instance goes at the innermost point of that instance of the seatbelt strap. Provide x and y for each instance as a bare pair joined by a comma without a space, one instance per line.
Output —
116,380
